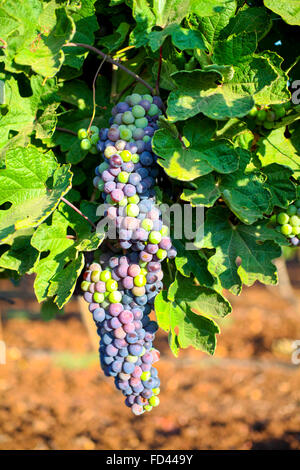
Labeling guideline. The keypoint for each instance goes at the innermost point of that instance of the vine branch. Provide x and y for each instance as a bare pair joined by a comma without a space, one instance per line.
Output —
159,71
94,93
112,61
68,131
78,211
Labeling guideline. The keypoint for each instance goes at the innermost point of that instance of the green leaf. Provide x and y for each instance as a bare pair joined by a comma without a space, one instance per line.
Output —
277,148
186,328
114,41
45,56
21,256
283,191
49,310
192,263
22,117
249,20
33,183
209,7
235,49
86,24
64,260
63,282
205,191
213,26
182,38
200,157
290,11
240,255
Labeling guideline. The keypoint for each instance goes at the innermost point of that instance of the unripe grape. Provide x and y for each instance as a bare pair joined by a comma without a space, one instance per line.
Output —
85,144
286,229
82,134
283,218
291,210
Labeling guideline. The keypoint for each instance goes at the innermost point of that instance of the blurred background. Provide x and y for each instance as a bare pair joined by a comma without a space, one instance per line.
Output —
53,394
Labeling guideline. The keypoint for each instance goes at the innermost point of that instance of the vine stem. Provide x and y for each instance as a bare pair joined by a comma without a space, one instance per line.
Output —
94,93
112,61
78,211
68,131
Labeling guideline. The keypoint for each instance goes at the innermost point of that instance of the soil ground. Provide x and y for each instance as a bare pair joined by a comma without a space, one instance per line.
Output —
54,396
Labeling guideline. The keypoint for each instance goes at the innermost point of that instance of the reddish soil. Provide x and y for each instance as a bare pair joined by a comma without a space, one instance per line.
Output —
53,395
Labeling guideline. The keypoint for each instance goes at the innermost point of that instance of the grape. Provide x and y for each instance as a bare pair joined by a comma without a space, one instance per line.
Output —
128,117
82,134
294,220
138,111
126,134
141,122
123,177
129,190
85,144
291,210
286,229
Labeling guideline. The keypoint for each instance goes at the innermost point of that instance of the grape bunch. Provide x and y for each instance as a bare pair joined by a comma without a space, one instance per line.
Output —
89,138
266,116
122,287
288,222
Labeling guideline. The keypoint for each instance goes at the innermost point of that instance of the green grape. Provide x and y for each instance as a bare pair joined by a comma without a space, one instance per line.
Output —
147,224
271,116
93,150
135,158
161,254
85,144
156,391
268,125
111,285
131,358
148,407
123,202
153,110
294,220
105,275
85,286
126,155
123,177
146,138
94,130
131,127
145,375
154,401
139,280
81,104
286,229
291,210
134,199
282,218
128,117
95,276
115,297
103,166
148,98
279,111
132,210
164,231
82,134
101,185
155,237
135,98
94,138
296,230
253,112
144,271
125,134
141,122
109,151
273,219
98,298
297,203
261,114
138,111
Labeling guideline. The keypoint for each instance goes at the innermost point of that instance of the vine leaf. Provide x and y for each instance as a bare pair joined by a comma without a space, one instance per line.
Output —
182,38
64,261
200,157
20,256
277,148
45,55
240,255
278,182
33,184
290,11
174,312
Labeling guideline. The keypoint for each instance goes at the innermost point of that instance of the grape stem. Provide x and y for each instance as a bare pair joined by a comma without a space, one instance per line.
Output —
112,61
94,94
68,131
78,211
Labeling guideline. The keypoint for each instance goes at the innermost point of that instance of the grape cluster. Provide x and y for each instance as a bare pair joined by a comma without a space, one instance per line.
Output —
288,222
121,288
89,138
266,116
